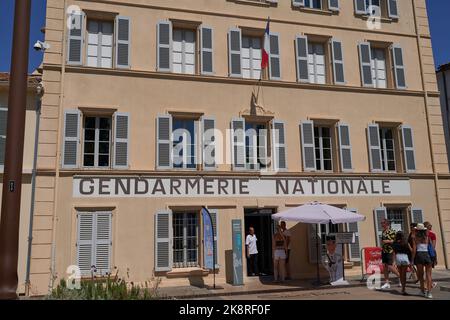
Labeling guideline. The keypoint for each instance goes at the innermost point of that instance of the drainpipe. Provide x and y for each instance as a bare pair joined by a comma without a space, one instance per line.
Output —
39,92
427,113
447,111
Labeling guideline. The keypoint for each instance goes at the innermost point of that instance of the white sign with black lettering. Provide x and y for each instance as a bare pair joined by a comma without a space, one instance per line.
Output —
161,187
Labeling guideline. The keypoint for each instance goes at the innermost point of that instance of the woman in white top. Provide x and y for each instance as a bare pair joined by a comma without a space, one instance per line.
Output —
422,259
279,249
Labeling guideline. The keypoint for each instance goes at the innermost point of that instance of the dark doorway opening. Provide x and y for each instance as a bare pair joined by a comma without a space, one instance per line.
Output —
261,221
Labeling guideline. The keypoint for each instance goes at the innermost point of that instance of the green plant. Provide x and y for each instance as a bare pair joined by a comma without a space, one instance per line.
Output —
106,288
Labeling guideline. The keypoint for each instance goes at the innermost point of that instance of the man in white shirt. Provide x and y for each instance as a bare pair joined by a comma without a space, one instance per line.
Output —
252,252
287,235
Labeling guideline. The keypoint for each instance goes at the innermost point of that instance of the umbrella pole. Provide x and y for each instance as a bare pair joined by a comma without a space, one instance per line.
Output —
318,283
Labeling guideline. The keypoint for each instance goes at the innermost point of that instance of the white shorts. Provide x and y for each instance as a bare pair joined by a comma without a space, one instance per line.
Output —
402,259
279,254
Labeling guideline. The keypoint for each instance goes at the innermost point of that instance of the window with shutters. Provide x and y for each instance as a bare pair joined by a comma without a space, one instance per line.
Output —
183,51
94,242
382,65
323,144
256,145
398,219
251,57
186,239
184,139
379,70
97,142
313,4
317,63
100,43
388,149
3,123
386,9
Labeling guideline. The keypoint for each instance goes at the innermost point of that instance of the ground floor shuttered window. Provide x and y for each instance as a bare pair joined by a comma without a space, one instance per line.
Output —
94,242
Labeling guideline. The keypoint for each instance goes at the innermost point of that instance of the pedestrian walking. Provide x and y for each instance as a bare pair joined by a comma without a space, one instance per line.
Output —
402,253
423,260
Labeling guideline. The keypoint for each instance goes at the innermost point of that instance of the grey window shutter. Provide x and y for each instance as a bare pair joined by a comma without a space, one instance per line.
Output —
207,58
298,3
309,153
393,9
121,140
279,145
209,143
354,249
274,57
301,52
379,215
333,5
123,47
164,47
408,149
3,128
373,136
75,39
314,241
85,242
235,48
338,61
164,142
399,67
360,7
345,147
71,138
238,143
365,58
163,241
103,242
416,215
215,221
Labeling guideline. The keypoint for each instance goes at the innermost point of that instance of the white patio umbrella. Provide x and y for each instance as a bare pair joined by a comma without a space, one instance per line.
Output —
318,213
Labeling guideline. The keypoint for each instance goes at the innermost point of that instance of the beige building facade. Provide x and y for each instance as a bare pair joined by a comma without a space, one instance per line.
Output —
32,114
347,113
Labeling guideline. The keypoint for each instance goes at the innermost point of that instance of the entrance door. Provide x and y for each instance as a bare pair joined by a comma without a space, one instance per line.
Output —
261,221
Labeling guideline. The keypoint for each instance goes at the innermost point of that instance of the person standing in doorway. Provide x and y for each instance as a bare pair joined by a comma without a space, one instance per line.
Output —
287,234
252,252
387,255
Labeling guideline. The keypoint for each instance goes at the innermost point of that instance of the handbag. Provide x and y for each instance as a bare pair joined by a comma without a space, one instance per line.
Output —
431,250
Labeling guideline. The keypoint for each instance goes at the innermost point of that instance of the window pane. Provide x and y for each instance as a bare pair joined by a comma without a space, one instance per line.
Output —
105,123
103,160
89,135
89,147
89,122
88,160
103,147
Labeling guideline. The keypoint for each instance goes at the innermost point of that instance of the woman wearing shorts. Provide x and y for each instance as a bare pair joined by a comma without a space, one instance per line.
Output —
422,260
279,248
402,252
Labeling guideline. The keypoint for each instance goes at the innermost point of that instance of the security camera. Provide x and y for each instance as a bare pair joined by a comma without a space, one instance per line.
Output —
41,46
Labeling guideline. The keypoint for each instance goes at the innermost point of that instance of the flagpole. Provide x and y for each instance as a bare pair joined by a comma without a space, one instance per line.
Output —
214,247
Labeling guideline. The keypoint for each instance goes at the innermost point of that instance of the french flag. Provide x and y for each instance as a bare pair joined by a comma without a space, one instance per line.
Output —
266,48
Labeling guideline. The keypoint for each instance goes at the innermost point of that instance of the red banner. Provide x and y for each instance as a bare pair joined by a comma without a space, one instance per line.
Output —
372,260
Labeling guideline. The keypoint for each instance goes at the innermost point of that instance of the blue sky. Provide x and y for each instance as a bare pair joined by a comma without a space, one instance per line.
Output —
437,10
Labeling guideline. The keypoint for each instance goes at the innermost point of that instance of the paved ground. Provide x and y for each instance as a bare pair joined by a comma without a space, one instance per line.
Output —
354,293
264,289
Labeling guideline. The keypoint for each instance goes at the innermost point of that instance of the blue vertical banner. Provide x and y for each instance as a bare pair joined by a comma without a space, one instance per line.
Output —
208,240
238,273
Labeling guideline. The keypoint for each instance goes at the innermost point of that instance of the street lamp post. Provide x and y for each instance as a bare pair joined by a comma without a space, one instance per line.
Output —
12,178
